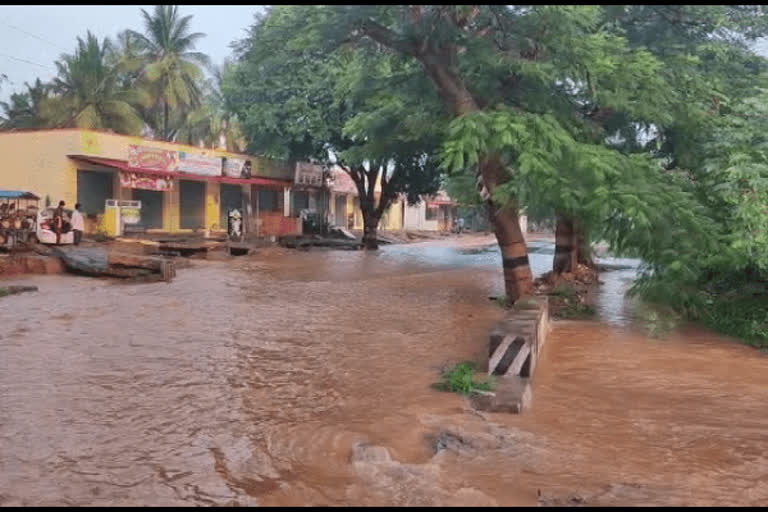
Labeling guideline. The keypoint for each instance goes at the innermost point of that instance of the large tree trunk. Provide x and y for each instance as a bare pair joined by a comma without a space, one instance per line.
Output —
165,122
571,246
518,279
584,250
438,63
566,246
370,231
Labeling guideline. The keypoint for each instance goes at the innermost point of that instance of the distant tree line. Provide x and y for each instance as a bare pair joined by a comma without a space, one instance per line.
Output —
148,82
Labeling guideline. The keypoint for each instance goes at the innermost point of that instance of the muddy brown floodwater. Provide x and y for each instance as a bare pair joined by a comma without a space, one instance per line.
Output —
290,378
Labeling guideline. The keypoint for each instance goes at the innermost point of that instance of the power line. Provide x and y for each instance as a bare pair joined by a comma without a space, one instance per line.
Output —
26,61
33,35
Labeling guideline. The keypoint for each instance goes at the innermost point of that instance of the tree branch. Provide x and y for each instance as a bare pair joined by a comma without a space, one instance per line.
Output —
383,35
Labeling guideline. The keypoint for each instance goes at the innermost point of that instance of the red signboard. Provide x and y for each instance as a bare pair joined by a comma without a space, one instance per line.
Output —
145,181
143,157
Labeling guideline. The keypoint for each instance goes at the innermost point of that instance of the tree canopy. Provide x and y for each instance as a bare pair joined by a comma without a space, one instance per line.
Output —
364,109
149,83
87,93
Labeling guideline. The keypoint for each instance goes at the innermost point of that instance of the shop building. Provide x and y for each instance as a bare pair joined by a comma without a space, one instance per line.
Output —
182,189
434,213
308,194
440,213
344,205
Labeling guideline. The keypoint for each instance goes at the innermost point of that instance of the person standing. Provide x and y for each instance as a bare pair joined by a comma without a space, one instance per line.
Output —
78,224
58,221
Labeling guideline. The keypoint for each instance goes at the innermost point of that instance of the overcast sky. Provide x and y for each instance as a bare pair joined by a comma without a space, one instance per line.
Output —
33,36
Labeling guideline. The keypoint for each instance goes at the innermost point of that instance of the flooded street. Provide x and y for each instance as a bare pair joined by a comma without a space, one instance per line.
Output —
303,378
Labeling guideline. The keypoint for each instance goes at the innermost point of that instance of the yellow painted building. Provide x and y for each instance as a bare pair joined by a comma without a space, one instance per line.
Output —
86,166
345,205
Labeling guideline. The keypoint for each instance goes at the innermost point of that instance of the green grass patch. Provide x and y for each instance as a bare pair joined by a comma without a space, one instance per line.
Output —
461,379
4,292
574,310
742,316
563,290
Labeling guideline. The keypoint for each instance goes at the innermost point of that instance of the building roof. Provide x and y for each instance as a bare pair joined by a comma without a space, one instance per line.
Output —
123,166
236,154
342,182
440,198
17,194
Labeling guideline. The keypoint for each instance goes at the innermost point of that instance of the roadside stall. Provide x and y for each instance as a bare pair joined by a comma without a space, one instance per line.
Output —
18,216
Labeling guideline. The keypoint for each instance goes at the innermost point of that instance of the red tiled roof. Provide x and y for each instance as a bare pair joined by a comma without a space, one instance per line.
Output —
342,182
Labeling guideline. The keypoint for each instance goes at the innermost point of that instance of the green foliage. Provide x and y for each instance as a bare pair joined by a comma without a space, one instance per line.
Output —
87,93
152,80
170,68
576,310
566,303
728,176
461,379
300,98
562,290
24,110
212,122
743,315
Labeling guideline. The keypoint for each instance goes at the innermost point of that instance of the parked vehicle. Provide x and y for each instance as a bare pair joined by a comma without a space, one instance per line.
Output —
18,211
46,234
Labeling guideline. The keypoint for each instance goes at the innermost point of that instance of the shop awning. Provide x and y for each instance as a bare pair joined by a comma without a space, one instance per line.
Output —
122,165
17,194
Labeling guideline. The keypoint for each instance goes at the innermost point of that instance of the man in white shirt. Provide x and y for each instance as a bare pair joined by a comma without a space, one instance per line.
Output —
78,224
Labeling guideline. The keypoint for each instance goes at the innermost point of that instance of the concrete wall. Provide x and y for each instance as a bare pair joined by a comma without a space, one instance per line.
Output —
37,162
393,218
416,218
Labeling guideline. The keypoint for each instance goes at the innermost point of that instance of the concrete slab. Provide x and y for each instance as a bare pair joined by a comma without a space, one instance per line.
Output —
514,346
510,395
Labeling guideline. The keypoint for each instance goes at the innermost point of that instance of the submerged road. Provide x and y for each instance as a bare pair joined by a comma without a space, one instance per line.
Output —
292,378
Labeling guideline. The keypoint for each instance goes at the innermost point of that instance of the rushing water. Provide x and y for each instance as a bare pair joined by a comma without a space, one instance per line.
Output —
291,378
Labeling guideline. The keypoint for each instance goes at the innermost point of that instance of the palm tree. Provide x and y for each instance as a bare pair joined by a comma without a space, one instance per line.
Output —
127,59
172,70
213,123
87,92
24,110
